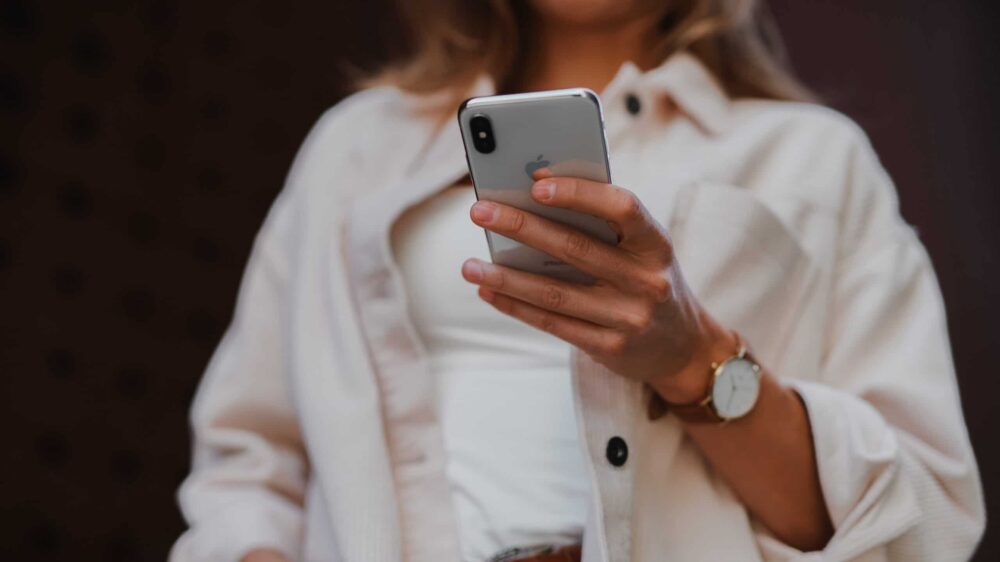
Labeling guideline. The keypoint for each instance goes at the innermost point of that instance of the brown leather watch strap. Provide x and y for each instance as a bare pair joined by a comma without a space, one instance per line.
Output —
569,553
656,406
702,412
699,412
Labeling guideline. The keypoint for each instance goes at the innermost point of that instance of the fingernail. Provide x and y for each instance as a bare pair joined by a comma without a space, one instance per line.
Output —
541,173
473,271
484,211
543,190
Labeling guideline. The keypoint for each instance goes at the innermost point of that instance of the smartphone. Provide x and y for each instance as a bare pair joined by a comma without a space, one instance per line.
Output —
508,137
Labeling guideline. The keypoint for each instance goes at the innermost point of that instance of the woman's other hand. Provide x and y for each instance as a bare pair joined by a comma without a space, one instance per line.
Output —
639,318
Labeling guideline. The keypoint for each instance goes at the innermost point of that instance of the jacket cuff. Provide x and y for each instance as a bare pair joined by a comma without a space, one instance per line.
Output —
868,497
232,532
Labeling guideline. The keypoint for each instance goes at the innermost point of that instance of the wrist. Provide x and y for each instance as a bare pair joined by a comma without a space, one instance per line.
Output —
693,381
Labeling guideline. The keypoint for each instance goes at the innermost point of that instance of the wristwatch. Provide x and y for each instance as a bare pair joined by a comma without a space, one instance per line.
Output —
732,393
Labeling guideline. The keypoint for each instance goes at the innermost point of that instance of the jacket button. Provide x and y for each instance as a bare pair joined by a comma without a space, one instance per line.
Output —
632,104
617,451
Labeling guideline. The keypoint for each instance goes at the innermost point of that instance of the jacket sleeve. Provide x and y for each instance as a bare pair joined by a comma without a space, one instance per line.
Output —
250,470
895,464
246,486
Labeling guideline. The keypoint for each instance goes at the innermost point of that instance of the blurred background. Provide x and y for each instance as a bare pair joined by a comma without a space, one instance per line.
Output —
142,143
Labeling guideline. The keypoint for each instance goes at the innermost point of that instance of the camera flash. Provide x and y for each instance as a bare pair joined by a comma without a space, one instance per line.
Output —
482,134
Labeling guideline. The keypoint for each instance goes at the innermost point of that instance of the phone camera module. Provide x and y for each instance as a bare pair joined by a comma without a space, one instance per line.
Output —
482,134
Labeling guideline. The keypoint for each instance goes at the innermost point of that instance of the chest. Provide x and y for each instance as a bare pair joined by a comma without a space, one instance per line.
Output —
751,242
755,254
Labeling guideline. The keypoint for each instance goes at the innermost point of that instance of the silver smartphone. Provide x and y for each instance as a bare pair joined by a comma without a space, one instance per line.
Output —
508,137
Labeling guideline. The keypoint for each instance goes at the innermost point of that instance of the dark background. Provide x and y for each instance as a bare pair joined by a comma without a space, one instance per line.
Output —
142,143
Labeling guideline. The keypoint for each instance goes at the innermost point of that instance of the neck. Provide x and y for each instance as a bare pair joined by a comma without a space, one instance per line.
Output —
589,57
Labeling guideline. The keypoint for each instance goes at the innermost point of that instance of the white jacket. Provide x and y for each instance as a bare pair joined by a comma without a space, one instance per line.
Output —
314,427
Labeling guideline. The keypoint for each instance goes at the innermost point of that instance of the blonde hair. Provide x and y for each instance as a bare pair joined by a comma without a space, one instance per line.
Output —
456,40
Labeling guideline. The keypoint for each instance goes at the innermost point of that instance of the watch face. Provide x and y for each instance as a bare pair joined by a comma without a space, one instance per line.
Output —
735,390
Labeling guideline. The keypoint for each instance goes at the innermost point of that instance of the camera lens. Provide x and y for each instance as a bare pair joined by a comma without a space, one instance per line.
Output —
482,134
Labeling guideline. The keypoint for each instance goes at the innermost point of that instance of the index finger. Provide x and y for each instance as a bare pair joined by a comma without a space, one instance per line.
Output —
617,205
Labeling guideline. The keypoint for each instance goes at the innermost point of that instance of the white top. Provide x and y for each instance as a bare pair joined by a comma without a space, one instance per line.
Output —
512,455
315,428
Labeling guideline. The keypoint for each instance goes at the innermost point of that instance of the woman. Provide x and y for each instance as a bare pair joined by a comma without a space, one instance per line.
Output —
368,404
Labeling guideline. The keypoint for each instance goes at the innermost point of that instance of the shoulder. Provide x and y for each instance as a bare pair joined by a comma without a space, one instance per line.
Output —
807,125
802,150
360,143
359,117
373,105
371,132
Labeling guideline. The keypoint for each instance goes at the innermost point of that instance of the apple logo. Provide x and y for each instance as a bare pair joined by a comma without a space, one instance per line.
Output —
537,164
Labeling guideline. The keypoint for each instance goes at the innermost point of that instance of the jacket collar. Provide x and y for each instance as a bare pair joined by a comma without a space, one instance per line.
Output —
682,78
685,80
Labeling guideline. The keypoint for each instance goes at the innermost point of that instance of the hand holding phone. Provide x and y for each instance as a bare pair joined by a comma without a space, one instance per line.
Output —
639,320
511,140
